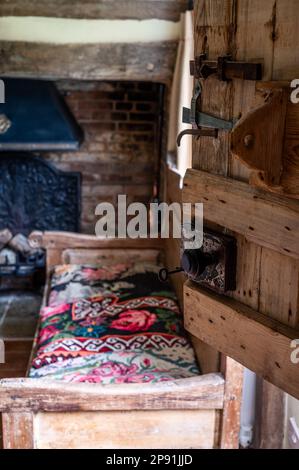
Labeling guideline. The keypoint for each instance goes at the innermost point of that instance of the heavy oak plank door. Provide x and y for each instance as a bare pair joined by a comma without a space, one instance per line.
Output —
258,322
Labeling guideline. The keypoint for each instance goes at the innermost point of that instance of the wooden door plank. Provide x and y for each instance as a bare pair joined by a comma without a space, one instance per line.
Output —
290,174
247,273
214,35
278,299
255,340
244,95
211,154
279,281
286,40
213,20
254,34
263,218
251,44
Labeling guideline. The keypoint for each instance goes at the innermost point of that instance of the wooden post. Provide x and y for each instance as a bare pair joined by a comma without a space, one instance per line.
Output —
270,416
17,430
230,419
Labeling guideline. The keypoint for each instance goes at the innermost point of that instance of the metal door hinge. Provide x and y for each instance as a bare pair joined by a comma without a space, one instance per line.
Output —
225,68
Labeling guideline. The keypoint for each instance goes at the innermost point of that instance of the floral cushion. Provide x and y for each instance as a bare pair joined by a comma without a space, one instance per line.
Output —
128,329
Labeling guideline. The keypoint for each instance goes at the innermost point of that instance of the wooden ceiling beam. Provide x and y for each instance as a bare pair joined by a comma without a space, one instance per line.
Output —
137,61
96,9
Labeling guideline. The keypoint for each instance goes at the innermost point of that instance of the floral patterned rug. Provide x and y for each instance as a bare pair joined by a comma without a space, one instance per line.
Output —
111,324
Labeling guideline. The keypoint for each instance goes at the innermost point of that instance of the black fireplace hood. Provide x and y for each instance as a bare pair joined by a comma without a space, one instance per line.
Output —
35,117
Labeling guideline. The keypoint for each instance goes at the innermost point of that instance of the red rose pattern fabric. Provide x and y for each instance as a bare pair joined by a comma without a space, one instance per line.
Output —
128,328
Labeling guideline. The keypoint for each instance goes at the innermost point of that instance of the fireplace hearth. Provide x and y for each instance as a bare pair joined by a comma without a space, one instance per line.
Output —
34,195
21,265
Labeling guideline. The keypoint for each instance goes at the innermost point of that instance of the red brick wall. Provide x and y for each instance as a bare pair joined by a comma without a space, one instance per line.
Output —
121,123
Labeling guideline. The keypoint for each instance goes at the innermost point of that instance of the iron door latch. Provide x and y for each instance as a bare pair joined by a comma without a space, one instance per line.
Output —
203,124
225,68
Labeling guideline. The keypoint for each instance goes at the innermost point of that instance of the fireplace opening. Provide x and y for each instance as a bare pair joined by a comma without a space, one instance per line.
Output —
54,189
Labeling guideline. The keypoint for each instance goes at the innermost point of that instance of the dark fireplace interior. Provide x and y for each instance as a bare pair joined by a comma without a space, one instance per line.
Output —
52,178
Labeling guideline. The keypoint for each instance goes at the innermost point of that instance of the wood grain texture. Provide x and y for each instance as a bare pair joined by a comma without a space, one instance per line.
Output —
260,343
279,282
244,94
214,26
288,184
247,273
290,175
208,357
230,417
255,33
286,45
180,429
270,416
200,392
56,244
96,9
17,430
262,218
140,61
266,278
214,35
273,41
109,256
67,240
258,138
211,154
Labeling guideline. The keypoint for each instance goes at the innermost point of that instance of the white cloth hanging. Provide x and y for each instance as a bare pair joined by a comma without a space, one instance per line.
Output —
180,158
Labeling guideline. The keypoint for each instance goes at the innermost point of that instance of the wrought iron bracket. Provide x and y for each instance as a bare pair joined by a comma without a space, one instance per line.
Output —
203,125
225,68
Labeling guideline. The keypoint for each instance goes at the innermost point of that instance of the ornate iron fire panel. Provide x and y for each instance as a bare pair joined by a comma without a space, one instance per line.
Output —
36,196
